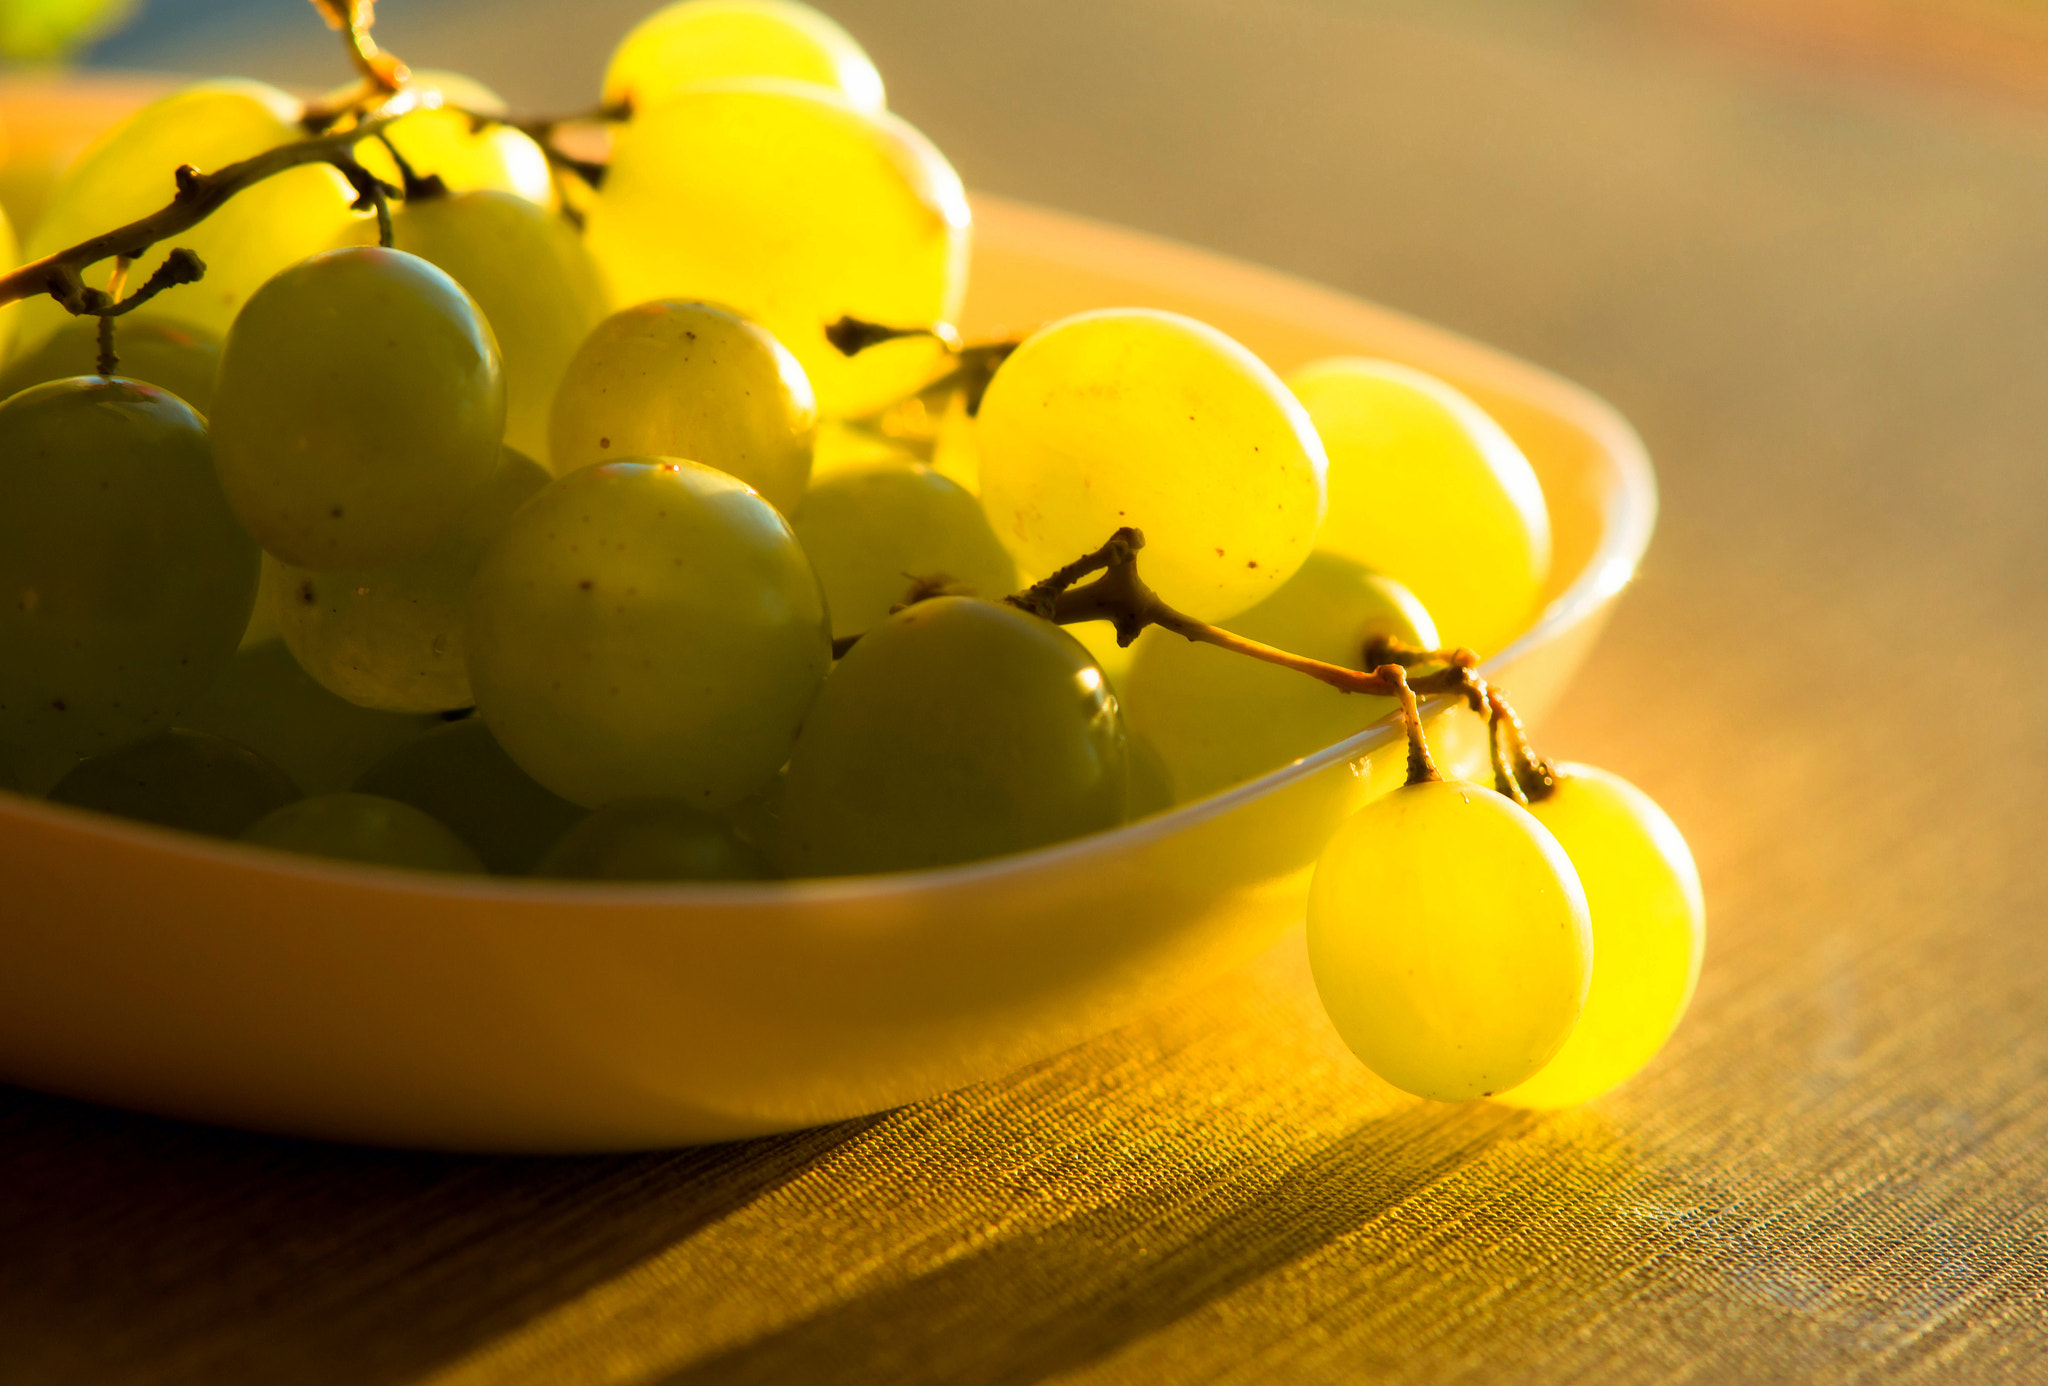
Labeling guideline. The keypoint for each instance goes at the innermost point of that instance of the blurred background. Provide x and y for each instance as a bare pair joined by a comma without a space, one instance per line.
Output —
1803,246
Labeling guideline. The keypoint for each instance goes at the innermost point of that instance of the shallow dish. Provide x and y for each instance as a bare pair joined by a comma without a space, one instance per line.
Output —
207,980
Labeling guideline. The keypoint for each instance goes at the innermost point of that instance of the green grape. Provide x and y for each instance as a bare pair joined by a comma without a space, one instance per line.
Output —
440,140
1449,940
265,701
757,819
363,828
391,637
127,175
1218,718
527,271
1649,930
696,41
127,580
33,31
647,629
360,409
870,531
1425,486
180,779
955,730
1130,416
653,840
263,619
669,379
789,205
462,777
1151,781
182,360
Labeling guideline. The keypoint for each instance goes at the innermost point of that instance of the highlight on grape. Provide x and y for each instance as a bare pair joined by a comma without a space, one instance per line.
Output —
611,497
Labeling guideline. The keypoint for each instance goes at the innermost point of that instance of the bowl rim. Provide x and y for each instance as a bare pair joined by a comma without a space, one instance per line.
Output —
1628,503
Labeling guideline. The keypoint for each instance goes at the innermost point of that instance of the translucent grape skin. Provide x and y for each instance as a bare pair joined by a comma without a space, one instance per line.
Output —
461,776
697,41
958,729
680,379
1449,940
182,360
647,629
870,530
391,638
265,701
360,409
527,271
190,780
823,210
1131,416
1425,486
366,829
652,840
1649,932
439,140
126,175
1218,718
128,580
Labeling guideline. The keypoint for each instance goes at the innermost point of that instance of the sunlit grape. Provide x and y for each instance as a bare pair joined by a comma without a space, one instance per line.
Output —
1130,416
391,637
1649,929
697,41
440,140
1218,718
463,778
127,175
127,581
1449,939
676,379
360,409
647,629
870,531
168,355
1427,488
363,828
265,701
180,779
527,271
786,203
957,729
653,840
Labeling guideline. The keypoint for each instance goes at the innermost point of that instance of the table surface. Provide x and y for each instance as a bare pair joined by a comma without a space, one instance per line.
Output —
1820,291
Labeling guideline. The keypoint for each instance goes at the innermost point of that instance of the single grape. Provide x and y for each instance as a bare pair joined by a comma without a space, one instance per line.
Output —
955,730
673,379
462,777
871,531
265,701
360,409
647,629
363,828
653,840
127,580
1449,940
696,41
1649,930
1130,416
182,360
1151,782
527,271
1218,718
1425,486
391,637
127,174
793,207
439,140
180,779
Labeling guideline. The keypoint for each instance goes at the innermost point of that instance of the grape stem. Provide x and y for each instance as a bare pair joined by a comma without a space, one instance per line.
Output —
974,363
353,19
199,195
1518,771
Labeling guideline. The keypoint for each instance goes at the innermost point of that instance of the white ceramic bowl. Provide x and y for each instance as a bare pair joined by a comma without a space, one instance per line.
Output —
208,980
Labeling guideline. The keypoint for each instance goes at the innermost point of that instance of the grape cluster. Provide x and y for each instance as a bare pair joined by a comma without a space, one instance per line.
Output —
630,510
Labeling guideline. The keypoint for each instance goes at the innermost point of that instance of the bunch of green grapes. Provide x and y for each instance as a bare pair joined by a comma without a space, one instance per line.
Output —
749,621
